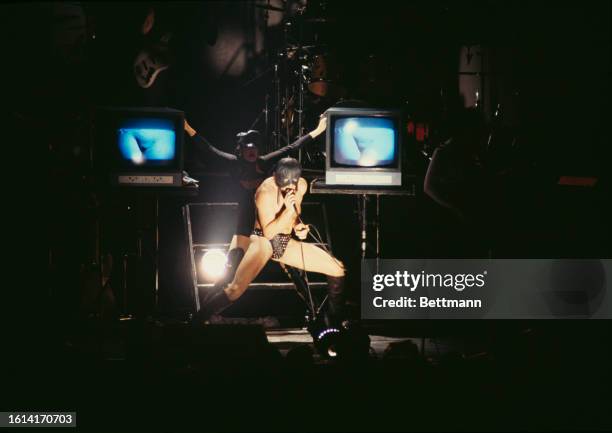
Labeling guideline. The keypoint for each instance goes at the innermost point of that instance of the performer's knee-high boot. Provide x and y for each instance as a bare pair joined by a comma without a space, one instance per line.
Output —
217,300
215,303
336,299
234,257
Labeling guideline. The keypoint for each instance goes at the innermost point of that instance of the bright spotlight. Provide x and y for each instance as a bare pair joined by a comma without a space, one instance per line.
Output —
212,264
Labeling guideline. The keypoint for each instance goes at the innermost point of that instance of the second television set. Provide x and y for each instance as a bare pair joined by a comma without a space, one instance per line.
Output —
363,147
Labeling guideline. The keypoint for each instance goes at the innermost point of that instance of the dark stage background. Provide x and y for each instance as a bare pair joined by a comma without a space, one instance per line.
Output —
545,64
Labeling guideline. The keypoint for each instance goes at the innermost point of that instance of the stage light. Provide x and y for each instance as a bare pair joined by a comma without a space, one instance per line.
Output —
346,342
327,342
325,338
212,264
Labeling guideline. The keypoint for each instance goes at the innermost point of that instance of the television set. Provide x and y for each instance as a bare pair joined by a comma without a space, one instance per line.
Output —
363,147
141,146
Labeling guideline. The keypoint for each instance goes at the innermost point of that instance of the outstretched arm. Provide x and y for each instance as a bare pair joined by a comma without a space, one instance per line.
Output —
201,141
277,154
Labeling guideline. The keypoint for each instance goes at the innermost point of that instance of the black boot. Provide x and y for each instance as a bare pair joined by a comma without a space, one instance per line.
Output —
335,301
234,257
214,304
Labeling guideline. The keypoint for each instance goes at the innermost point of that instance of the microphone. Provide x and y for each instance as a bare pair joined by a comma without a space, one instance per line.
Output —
292,205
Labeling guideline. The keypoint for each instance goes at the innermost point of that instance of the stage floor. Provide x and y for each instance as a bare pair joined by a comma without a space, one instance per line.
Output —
286,339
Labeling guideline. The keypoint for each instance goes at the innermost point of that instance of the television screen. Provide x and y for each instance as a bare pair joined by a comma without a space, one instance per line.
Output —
363,146
146,142
364,142
137,145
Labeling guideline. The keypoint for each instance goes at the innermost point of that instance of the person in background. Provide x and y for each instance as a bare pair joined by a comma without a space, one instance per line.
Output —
459,180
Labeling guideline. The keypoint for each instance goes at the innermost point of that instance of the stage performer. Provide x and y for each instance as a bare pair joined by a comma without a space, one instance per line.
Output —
278,203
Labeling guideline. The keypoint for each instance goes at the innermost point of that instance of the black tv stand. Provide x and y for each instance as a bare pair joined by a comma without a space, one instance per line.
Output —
318,186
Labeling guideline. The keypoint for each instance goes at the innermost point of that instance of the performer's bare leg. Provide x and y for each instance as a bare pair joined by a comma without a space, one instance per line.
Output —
240,241
257,255
314,259
298,254
311,258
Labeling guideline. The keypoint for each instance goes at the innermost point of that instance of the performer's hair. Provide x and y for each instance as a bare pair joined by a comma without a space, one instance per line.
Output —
288,171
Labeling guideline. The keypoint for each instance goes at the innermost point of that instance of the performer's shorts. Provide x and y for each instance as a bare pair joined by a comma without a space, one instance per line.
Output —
279,243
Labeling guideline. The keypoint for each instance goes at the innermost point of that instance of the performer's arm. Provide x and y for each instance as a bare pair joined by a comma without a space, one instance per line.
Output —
201,141
277,154
271,222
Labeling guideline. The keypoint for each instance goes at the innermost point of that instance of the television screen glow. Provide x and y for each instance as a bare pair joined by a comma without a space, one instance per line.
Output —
147,142
364,141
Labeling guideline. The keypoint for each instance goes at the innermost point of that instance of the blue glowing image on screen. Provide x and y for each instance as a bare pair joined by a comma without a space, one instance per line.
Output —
147,141
364,141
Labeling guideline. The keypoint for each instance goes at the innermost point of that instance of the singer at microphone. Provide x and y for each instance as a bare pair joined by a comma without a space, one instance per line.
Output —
287,180
289,195
278,204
